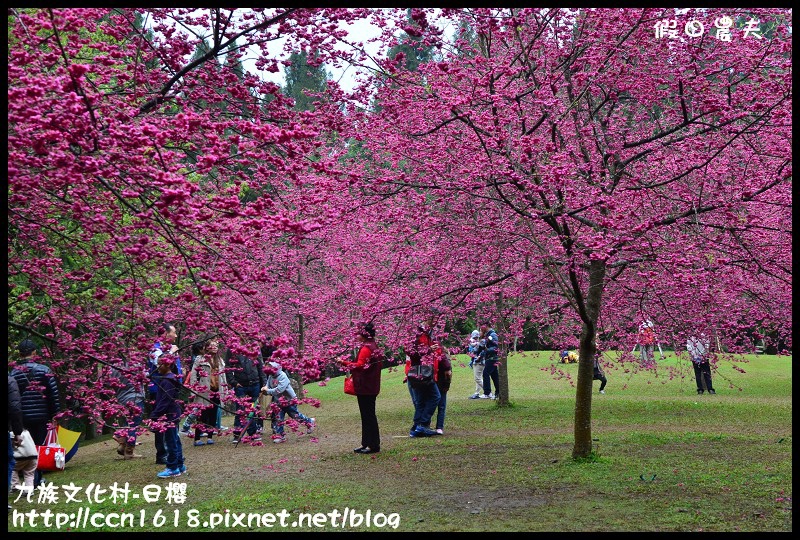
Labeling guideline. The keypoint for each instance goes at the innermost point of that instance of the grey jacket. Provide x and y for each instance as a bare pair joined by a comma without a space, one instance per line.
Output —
279,385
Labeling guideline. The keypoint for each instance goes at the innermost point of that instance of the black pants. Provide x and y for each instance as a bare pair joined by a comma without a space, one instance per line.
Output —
702,374
490,374
370,435
208,420
600,377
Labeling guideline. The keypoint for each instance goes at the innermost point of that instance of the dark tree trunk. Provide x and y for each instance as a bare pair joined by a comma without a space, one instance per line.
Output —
502,352
587,350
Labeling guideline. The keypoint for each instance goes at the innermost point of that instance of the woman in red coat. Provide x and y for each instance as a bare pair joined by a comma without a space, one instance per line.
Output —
366,371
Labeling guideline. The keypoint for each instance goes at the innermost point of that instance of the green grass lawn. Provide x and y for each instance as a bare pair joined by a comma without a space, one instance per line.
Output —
665,459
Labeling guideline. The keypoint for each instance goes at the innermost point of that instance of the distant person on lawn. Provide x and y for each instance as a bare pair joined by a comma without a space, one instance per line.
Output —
476,362
490,373
698,348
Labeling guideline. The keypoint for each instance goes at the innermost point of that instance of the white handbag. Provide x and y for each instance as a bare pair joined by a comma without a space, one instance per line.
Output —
27,448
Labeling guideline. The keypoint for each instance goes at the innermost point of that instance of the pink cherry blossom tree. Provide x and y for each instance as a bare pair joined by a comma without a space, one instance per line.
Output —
562,167
151,179
602,172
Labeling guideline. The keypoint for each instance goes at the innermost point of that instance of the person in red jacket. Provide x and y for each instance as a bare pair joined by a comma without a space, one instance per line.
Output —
366,372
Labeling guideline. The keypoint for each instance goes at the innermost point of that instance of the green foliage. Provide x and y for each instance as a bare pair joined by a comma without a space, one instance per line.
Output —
302,79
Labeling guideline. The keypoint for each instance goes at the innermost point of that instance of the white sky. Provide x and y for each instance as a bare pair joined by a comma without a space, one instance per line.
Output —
361,31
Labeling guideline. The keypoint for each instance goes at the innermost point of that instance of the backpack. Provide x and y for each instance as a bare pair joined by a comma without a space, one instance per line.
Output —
420,376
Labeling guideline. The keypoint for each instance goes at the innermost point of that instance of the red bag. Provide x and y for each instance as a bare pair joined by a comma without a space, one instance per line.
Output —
51,454
349,387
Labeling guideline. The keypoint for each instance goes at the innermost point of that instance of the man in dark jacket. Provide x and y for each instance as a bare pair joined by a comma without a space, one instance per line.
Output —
246,376
14,423
490,374
39,395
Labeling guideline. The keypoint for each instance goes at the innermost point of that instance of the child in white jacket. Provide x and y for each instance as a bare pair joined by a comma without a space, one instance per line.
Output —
280,388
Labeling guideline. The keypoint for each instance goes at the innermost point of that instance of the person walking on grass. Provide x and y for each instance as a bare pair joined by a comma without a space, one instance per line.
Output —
598,373
284,401
245,377
366,372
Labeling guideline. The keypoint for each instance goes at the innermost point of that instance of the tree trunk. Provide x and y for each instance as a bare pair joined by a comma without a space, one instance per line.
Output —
502,352
301,334
587,351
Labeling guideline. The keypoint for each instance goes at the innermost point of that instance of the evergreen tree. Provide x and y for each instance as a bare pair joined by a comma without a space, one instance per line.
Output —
415,52
304,80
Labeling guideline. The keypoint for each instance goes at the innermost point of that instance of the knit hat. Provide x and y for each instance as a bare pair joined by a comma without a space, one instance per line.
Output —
475,334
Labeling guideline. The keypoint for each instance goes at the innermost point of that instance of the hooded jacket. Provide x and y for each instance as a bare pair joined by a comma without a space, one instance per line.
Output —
278,385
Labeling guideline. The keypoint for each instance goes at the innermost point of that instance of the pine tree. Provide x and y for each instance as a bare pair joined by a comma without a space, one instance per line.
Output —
304,80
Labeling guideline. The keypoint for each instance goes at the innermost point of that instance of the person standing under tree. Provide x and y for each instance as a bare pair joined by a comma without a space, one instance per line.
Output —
39,395
167,412
165,344
131,397
15,426
647,342
490,373
443,382
424,393
366,371
698,348
208,382
598,373
476,362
